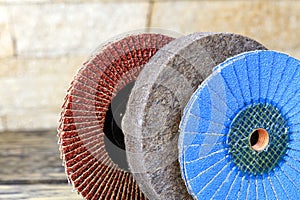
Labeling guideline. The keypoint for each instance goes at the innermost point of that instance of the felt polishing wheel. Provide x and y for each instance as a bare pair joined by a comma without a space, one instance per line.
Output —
239,136
156,103
90,137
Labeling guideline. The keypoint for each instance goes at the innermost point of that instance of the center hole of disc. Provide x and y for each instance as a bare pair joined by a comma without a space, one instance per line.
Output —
259,139
114,137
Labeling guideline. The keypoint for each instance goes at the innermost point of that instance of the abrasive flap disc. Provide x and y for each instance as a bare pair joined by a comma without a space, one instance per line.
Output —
156,103
90,137
239,136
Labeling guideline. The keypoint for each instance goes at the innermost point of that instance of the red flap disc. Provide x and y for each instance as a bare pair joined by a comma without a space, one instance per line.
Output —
89,130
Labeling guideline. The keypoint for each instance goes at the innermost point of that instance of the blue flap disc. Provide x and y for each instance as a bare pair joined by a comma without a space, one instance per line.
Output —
240,133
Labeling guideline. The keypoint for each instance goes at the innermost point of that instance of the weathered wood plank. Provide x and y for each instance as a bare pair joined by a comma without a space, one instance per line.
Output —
38,192
30,168
31,157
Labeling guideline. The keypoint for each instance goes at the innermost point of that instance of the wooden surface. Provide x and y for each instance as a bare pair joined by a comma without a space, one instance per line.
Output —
30,167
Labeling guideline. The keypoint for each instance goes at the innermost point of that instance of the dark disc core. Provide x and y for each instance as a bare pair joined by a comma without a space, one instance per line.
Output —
114,137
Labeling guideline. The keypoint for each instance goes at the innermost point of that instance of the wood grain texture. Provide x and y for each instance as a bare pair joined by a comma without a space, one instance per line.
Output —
38,192
31,168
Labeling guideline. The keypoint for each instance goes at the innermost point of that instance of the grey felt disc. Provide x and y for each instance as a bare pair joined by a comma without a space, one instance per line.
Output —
156,104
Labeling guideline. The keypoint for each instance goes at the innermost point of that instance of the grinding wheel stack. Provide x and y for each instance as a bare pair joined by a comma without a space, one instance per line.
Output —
162,96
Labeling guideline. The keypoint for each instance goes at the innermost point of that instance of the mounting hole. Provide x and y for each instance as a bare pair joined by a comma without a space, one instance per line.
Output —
259,139
113,134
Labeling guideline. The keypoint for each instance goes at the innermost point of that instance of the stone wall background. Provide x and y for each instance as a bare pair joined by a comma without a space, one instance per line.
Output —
44,42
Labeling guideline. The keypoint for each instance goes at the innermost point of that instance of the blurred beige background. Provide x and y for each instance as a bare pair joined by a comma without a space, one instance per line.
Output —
44,42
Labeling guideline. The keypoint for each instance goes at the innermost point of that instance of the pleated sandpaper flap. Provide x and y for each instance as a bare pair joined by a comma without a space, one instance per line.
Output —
81,127
156,103
240,133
